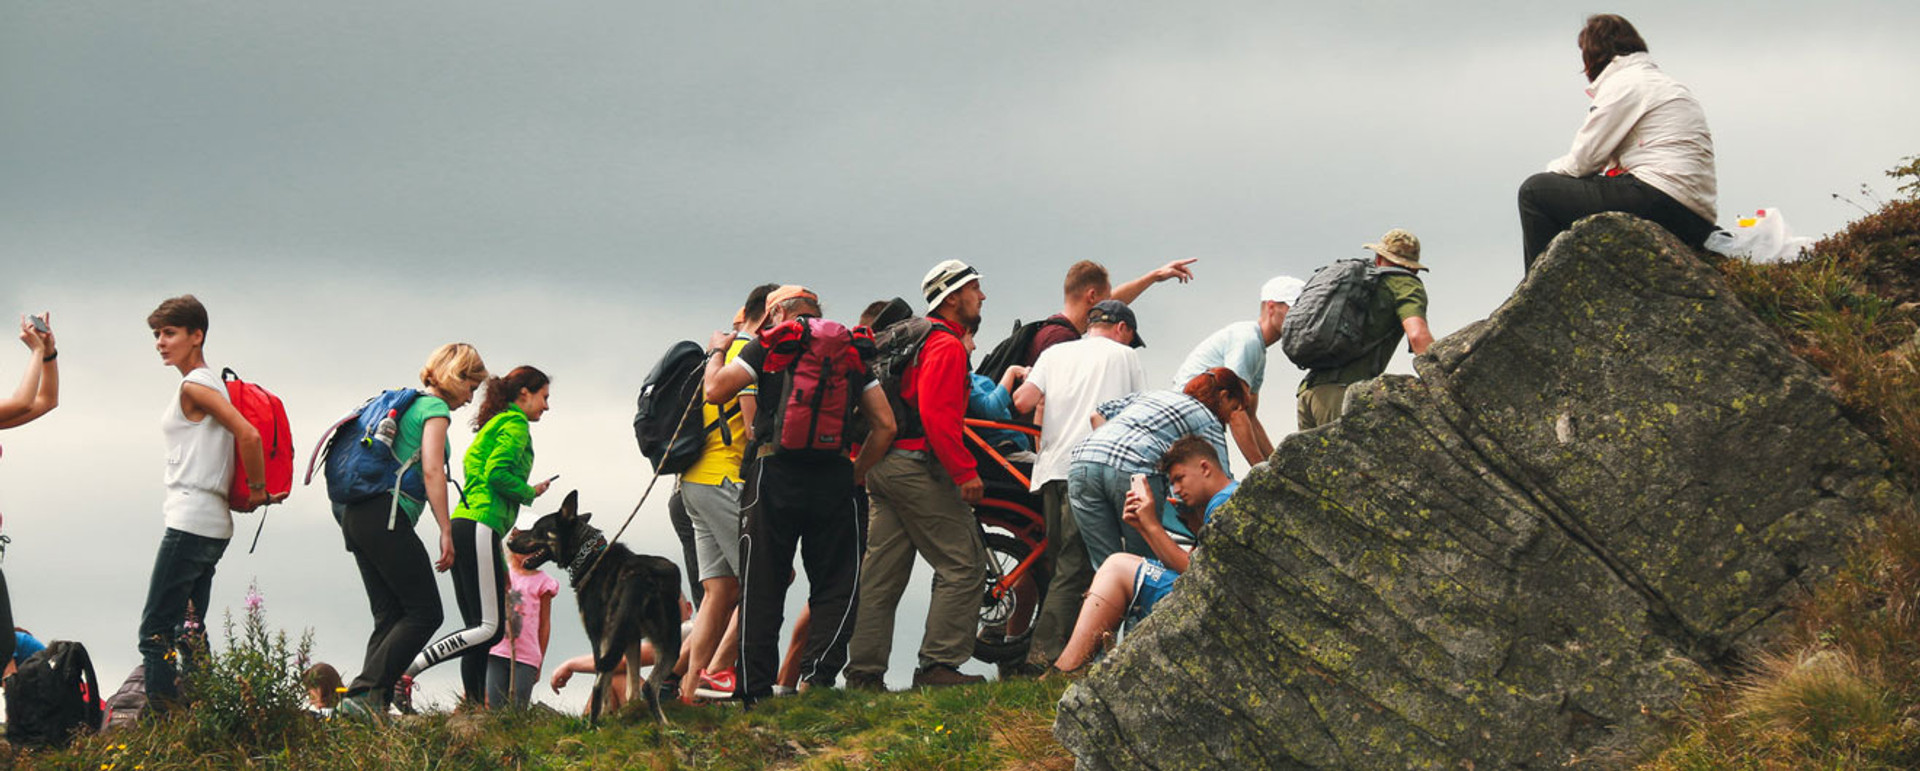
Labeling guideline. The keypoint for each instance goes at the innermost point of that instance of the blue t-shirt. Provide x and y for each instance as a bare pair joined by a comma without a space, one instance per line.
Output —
1238,347
1219,498
24,646
988,401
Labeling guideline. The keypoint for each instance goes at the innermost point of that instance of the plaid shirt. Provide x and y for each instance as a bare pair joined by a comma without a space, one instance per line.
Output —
1140,427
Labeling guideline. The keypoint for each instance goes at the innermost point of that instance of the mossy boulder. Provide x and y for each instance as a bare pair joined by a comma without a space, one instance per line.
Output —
1586,505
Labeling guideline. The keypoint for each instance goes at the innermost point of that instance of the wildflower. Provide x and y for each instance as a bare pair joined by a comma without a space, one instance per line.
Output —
254,600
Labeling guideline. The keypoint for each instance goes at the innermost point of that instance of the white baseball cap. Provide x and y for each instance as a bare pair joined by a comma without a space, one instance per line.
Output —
1281,289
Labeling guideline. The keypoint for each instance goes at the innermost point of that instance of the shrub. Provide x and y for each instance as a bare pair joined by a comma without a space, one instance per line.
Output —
249,694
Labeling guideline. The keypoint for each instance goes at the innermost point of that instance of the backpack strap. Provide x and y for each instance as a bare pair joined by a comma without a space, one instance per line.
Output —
393,511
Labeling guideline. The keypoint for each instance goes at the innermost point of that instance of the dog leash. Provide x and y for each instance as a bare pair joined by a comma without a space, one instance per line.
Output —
698,397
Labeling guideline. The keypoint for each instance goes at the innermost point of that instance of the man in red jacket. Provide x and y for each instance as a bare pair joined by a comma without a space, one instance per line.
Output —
921,496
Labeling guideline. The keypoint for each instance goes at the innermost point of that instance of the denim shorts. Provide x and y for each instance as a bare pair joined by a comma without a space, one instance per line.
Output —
1151,582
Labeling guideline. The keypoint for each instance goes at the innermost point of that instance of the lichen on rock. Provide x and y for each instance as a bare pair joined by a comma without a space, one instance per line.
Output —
1585,506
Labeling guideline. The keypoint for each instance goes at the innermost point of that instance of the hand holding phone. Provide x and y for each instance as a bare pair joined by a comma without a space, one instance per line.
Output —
542,487
1139,500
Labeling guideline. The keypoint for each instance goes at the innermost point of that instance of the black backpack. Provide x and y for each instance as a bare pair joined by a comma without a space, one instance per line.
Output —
1013,350
1327,325
667,418
45,706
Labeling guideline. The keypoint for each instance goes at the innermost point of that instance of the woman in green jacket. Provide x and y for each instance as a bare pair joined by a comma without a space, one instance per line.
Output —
497,466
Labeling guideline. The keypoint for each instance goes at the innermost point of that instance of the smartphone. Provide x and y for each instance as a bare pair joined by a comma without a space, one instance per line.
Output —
550,479
39,323
1139,487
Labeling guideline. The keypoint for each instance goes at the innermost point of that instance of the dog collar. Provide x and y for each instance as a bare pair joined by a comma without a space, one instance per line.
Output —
583,557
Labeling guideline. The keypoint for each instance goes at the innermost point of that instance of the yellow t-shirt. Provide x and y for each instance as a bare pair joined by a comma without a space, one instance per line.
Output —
719,461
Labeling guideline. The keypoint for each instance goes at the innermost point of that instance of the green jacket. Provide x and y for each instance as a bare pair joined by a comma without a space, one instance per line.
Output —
497,466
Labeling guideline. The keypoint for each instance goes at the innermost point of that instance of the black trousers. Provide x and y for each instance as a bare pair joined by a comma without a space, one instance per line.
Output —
807,504
1550,203
6,622
397,572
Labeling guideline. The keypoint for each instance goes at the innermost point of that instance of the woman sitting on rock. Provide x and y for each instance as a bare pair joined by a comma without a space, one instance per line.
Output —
1644,150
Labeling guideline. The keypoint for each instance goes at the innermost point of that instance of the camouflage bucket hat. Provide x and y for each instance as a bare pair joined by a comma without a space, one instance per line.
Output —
1400,248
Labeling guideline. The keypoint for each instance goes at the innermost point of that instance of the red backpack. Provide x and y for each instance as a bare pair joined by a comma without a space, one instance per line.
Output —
268,416
816,359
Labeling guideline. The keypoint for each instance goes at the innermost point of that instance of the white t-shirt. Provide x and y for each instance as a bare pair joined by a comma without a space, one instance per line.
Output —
1075,377
199,465
1238,347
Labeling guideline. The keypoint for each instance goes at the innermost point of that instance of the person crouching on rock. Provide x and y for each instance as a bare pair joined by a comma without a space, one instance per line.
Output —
1644,149
1128,585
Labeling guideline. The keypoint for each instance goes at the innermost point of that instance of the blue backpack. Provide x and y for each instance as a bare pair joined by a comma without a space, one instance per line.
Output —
360,461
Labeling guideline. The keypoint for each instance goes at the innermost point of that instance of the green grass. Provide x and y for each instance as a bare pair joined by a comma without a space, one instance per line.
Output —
991,726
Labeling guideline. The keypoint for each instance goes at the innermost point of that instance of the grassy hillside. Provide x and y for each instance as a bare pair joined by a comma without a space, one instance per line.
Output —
993,726
1841,693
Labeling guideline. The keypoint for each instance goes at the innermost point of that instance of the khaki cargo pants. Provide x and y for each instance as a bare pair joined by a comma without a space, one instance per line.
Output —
917,509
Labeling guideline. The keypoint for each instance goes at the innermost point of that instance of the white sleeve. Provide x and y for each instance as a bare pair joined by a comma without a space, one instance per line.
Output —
1613,115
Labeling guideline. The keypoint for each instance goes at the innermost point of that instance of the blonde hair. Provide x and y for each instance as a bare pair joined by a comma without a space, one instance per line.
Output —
452,368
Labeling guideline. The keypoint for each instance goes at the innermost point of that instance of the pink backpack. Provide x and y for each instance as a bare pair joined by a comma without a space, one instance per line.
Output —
816,359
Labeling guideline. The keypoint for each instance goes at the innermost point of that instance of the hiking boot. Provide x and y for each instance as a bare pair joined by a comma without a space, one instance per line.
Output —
360,708
873,683
941,675
719,685
403,695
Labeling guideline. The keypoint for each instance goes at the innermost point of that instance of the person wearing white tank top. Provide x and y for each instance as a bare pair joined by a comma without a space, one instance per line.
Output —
202,431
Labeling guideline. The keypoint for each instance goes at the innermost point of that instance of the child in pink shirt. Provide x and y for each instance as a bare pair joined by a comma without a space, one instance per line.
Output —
513,666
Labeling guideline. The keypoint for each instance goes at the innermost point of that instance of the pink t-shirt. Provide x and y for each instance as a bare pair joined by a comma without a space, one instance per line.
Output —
526,595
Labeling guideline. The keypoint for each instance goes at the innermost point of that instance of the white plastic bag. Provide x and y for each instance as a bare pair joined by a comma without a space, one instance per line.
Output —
1763,237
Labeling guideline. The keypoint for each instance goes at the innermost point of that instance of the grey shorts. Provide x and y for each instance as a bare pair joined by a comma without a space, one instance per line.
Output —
715,511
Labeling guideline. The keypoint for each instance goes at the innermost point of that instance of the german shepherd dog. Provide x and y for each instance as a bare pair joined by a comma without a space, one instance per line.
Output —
624,598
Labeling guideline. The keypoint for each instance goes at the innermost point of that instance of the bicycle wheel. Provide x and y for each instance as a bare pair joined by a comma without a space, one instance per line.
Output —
1006,621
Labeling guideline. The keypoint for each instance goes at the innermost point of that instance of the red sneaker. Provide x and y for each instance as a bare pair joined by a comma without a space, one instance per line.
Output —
718,685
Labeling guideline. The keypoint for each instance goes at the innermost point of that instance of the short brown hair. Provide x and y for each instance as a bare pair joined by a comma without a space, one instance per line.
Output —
1187,449
184,311
1605,36
1085,275
756,305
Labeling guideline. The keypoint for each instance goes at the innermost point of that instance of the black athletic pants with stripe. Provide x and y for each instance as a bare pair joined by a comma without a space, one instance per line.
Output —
480,589
806,504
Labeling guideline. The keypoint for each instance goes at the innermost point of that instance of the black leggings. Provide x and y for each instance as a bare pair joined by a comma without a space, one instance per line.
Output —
398,574
1550,203
6,622
480,589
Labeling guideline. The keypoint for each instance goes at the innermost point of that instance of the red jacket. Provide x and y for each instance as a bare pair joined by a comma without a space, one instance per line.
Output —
936,386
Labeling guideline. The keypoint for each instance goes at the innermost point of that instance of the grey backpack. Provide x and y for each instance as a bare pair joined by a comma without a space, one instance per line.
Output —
1327,325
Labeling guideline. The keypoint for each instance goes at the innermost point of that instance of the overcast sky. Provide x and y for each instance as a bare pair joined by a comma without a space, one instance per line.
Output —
577,185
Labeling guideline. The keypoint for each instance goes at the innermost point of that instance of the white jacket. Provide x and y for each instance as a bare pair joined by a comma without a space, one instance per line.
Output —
1648,124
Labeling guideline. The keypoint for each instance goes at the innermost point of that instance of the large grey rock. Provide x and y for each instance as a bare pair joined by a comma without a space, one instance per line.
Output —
1584,506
